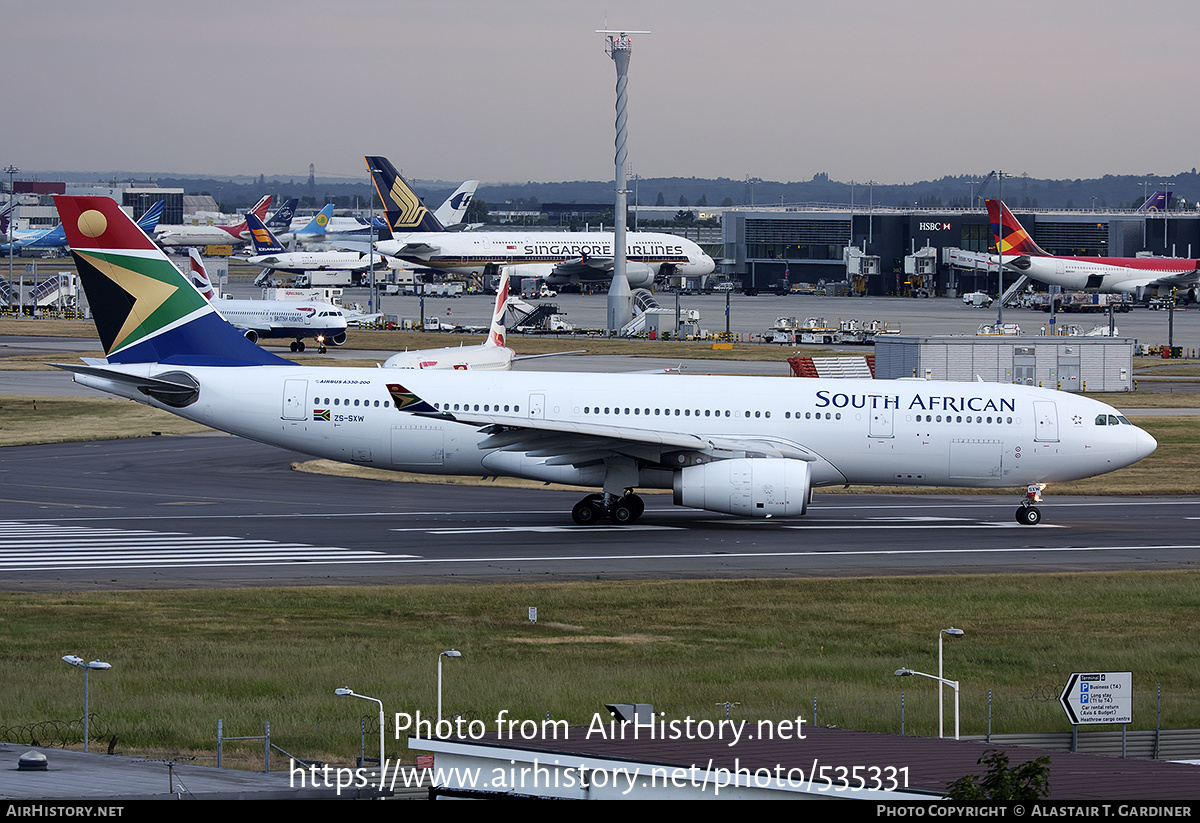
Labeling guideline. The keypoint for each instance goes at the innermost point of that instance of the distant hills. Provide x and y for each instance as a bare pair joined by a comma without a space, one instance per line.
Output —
1111,191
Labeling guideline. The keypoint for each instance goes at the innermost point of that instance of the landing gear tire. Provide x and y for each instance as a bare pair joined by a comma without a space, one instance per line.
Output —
299,345
295,346
627,510
1029,515
588,510
321,350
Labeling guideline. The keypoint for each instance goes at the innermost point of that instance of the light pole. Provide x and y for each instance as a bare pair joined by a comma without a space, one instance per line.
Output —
952,632
10,170
76,660
374,295
345,692
448,653
952,683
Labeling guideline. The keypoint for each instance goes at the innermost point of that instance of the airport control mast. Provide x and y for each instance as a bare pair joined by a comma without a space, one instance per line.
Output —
620,300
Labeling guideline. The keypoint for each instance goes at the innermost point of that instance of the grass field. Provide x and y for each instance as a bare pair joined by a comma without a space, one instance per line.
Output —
184,659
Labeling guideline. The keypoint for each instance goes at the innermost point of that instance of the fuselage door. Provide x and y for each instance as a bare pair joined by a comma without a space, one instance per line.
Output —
537,405
1046,415
881,422
295,399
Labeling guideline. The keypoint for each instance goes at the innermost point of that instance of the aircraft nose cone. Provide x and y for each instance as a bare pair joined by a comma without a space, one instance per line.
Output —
1145,444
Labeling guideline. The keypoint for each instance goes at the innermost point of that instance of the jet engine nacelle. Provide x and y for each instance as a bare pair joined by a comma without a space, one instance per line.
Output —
639,275
251,335
747,487
519,271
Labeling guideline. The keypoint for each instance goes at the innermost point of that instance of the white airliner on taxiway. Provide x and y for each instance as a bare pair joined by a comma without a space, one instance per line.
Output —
274,319
750,446
492,354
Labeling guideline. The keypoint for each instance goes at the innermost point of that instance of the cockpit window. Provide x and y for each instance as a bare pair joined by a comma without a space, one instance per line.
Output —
1124,419
1101,420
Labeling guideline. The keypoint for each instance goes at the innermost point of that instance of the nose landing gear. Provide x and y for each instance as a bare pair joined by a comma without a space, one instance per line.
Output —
1029,514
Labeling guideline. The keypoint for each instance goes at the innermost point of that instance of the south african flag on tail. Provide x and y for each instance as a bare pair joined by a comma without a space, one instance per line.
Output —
145,310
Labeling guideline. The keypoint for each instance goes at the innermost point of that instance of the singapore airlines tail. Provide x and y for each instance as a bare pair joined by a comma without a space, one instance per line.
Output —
403,208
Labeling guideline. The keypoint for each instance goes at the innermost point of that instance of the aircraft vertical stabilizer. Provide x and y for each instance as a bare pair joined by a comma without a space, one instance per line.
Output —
145,310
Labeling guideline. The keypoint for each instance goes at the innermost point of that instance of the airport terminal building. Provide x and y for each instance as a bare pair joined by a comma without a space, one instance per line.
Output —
812,245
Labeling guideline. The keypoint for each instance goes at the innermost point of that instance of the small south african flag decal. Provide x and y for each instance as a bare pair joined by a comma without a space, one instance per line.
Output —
320,414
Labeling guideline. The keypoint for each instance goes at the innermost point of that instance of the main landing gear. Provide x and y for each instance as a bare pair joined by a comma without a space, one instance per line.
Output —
1029,514
621,511
298,346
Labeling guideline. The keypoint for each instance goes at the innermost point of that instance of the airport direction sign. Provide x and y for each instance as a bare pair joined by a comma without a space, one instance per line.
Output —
1098,697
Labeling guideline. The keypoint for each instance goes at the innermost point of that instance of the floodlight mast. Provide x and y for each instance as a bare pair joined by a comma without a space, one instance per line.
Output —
620,299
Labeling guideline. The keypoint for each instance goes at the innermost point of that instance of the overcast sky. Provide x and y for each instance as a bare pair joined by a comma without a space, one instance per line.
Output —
513,91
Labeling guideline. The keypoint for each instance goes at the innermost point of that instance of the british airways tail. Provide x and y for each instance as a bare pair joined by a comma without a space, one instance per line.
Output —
145,310
198,274
1009,234
1155,202
261,238
496,334
281,220
404,210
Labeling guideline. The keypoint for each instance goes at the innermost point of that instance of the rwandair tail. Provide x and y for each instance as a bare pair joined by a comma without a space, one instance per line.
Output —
404,210
145,310
1010,234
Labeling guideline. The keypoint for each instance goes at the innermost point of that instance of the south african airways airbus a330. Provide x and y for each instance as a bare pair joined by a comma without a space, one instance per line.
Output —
749,446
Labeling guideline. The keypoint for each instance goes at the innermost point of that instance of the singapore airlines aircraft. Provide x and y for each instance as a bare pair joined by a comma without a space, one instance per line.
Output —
491,355
560,258
1019,252
263,319
749,446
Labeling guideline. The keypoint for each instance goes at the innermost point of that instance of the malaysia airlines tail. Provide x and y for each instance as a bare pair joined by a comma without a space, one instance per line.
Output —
1009,233
145,310
402,207
451,213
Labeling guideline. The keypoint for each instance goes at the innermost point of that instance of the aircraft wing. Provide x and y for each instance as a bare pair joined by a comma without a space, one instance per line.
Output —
1183,278
574,443
517,357
422,251
584,265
